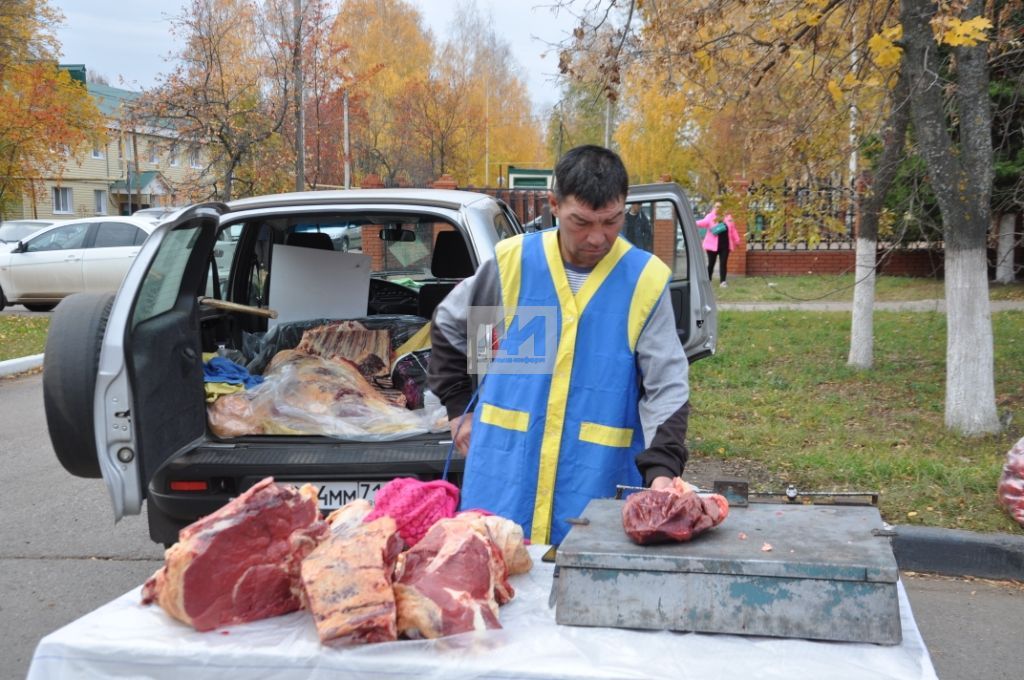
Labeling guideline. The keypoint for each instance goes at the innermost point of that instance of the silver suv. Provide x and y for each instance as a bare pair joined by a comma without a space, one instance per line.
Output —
126,377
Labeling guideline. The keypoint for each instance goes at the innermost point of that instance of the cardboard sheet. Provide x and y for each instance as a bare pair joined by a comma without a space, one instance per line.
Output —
318,284
124,639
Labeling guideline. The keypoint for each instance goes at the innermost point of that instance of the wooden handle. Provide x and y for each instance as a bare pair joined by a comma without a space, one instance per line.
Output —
235,307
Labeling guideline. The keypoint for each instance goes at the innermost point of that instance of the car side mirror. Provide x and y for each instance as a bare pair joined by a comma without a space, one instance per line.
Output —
394,234
20,248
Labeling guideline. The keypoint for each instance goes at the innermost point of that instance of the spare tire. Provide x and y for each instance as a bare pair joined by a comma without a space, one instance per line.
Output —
70,363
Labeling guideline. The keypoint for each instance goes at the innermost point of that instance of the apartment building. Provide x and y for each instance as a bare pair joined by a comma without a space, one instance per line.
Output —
139,167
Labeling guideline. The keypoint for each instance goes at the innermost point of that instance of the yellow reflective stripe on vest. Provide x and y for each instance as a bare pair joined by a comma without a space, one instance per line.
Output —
606,435
509,255
504,417
558,397
648,290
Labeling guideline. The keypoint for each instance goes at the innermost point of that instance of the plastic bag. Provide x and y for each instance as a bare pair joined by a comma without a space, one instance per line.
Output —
1011,483
308,395
409,375
288,335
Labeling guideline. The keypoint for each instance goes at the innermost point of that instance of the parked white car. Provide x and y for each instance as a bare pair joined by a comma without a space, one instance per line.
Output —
157,214
13,231
86,255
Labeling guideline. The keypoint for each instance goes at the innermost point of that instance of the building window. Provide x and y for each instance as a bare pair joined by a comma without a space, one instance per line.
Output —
62,201
98,151
154,153
172,156
100,199
193,157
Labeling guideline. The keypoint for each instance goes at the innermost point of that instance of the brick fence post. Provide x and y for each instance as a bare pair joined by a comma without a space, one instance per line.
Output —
372,245
664,233
445,181
738,257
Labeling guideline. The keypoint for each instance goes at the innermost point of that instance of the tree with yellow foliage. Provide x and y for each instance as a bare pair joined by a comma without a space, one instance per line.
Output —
792,84
45,116
227,94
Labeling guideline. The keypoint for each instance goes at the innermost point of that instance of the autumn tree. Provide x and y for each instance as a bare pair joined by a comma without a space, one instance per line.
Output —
229,94
1007,91
45,117
388,55
809,96
499,128
960,164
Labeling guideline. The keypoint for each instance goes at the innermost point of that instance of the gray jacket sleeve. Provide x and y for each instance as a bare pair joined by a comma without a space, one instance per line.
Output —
448,372
665,395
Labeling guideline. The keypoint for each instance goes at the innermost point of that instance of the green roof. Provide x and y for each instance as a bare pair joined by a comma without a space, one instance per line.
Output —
109,99
140,180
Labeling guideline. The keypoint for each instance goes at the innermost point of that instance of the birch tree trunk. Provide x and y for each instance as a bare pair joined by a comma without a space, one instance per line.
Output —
961,172
862,338
1004,248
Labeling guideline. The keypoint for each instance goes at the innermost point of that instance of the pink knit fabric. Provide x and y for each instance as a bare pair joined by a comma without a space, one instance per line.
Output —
415,505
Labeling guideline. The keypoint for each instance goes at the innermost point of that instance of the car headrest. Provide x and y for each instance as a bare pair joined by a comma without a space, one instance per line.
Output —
309,239
450,259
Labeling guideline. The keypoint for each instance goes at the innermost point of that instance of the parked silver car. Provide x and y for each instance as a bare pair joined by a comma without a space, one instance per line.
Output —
75,256
135,362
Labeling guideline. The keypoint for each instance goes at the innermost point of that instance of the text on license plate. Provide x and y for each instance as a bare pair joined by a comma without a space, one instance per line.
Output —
333,495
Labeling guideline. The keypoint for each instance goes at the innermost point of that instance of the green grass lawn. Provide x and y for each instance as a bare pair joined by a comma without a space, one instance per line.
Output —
779,402
840,289
22,335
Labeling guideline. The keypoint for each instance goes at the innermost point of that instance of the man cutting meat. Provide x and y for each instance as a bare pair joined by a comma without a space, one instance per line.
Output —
613,408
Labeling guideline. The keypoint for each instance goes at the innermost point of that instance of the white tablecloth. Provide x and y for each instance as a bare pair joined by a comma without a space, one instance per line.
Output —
124,639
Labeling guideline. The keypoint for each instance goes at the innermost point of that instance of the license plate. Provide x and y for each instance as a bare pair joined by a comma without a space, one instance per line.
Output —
333,495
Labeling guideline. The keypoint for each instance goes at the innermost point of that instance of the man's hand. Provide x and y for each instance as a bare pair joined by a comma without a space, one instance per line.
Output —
673,484
661,484
461,428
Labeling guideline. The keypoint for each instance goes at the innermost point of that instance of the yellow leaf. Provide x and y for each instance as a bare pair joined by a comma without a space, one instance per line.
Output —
966,33
850,81
837,94
912,513
883,52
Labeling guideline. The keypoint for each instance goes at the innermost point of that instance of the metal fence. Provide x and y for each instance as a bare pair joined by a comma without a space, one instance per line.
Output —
819,217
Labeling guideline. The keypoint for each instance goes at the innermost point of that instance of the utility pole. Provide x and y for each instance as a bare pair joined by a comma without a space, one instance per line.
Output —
348,157
487,134
608,124
300,122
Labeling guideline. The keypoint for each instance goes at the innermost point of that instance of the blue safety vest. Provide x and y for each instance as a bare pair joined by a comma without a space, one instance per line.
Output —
543,445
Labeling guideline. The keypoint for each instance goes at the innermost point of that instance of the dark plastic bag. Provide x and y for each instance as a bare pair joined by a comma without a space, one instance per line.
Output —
288,335
410,376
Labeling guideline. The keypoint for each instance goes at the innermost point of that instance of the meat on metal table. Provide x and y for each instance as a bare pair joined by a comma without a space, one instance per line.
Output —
125,639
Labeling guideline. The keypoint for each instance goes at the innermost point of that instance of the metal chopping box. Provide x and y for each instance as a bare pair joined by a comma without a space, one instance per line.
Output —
826,576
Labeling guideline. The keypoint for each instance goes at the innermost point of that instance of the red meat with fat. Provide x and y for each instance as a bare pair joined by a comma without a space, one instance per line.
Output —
347,579
452,581
240,563
673,515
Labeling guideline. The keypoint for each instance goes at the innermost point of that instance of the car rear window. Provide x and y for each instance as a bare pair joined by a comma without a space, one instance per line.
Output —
160,288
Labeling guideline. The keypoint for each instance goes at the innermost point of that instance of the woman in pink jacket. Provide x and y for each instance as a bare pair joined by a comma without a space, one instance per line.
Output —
721,238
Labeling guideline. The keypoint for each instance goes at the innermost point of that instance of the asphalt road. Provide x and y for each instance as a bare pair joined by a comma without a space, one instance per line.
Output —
62,556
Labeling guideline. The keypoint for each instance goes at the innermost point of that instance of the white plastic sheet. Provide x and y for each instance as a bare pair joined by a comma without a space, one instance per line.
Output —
124,639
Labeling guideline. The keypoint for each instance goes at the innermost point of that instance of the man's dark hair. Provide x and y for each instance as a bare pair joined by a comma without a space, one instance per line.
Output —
591,174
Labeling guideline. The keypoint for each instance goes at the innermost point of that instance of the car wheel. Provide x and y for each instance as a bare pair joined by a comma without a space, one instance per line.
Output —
344,244
70,362
3,299
38,308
